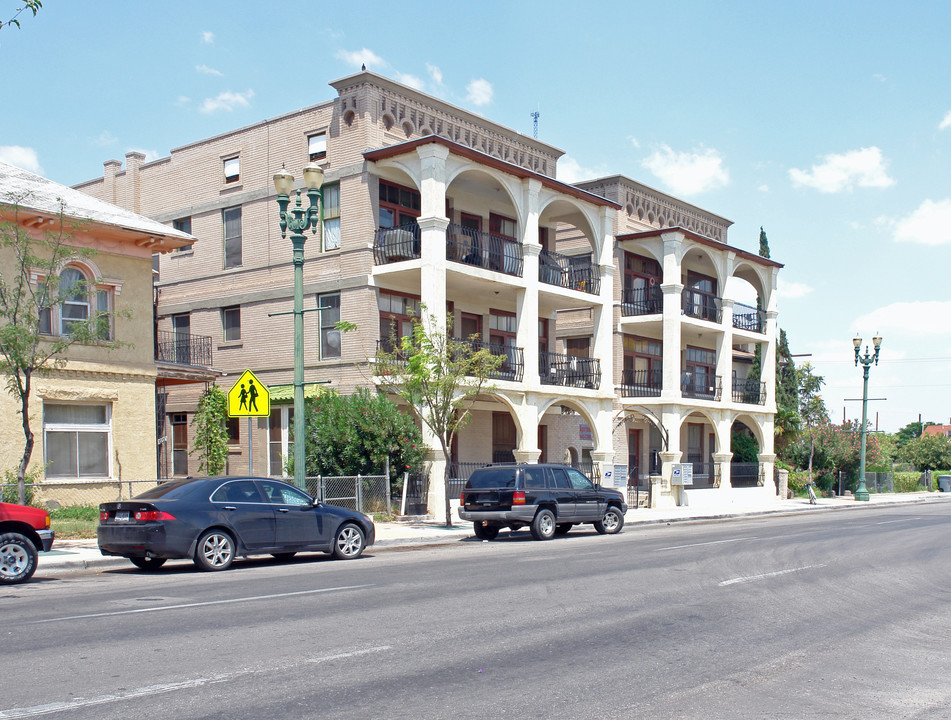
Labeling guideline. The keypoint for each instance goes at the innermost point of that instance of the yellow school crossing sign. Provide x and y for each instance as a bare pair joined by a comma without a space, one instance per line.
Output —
249,397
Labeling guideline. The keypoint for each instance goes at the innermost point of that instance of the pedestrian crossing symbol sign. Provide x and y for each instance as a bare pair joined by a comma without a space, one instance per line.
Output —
249,397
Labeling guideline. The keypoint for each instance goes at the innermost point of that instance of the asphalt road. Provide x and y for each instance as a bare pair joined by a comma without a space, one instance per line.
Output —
839,615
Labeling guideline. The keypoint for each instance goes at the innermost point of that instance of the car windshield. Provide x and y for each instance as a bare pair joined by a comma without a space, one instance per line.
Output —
502,477
170,490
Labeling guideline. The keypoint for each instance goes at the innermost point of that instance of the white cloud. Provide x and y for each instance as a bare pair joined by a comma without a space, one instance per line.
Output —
571,171
930,224
926,318
361,57
22,157
105,138
633,141
208,37
182,100
838,172
763,188
687,173
205,70
792,290
946,122
435,73
227,101
479,92
412,80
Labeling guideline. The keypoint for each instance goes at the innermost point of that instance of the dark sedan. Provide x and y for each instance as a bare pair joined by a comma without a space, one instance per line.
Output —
214,520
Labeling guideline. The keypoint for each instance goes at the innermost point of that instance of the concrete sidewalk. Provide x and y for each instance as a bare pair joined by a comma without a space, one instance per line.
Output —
75,555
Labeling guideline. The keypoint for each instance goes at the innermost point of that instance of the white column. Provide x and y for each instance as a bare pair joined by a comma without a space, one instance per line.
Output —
432,227
725,354
526,336
672,288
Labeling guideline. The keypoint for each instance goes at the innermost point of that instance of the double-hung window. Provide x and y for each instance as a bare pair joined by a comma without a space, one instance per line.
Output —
329,305
231,220
231,323
331,229
183,225
317,146
232,169
77,440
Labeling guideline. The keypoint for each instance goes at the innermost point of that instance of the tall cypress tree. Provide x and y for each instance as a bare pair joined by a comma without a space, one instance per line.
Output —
763,243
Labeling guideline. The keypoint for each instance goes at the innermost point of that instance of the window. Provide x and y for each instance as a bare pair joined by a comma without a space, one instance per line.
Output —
643,365
78,297
281,494
179,444
398,205
317,146
231,218
75,308
502,331
329,316
233,426
183,225
396,315
231,323
279,440
232,169
499,225
331,230
579,347
77,440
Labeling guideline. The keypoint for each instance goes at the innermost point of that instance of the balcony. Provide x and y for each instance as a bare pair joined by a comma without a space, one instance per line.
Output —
749,318
702,305
752,392
396,244
567,272
642,301
701,386
482,249
569,370
642,383
513,362
183,349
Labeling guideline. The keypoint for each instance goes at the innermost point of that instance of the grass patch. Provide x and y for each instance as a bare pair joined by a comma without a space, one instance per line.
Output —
75,522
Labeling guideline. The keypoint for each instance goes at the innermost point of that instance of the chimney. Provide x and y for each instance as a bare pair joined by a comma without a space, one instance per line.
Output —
110,169
133,161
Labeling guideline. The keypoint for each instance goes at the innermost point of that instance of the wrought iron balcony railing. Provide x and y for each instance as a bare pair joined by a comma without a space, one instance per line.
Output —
482,249
703,305
561,270
642,383
749,391
569,370
642,301
749,318
396,244
701,386
183,348
513,359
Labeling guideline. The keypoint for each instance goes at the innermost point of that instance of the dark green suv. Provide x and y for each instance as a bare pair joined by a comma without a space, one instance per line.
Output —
549,499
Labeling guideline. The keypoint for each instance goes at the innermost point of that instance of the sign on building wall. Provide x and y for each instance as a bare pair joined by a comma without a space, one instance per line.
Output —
584,432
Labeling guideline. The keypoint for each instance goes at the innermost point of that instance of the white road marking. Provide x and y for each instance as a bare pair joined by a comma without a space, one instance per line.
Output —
764,576
150,690
712,542
198,604
889,522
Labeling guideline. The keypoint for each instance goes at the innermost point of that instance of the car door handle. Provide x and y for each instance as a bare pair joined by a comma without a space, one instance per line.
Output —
230,507
282,510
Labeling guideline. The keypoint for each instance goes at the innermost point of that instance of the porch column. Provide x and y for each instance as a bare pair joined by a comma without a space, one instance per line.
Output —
724,453
603,318
432,228
767,463
436,497
768,372
673,304
664,494
722,460
528,420
725,353
526,303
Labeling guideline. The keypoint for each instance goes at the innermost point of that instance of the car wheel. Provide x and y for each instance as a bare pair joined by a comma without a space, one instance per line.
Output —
283,556
348,543
611,522
17,558
485,532
563,528
215,550
147,563
543,526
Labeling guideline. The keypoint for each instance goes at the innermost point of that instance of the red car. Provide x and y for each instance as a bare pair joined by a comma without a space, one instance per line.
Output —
24,531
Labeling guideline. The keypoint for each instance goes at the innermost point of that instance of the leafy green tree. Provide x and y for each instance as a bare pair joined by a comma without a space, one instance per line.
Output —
31,5
211,432
440,378
831,449
910,432
787,421
928,452
744,448
763,243
355,434
812,408
27,346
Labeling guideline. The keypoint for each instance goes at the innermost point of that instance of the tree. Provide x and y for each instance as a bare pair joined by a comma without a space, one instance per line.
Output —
354,434
833,448
439,377
928,452
28,347
32,5
910,432
812,408
763,244
787,421
211,432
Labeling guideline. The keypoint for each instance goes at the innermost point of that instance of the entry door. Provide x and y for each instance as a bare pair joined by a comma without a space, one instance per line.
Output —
633,455
504,437
470,325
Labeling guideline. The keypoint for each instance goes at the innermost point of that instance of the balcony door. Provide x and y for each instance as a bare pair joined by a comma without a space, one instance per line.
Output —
470,325
181,327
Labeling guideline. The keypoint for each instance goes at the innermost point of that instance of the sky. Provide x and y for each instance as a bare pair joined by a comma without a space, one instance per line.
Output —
826,123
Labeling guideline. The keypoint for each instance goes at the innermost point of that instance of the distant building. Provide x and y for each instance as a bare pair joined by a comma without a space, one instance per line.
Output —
615,306
941,430
94,418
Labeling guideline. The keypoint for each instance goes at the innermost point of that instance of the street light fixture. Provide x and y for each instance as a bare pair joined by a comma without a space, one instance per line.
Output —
298,220
861,493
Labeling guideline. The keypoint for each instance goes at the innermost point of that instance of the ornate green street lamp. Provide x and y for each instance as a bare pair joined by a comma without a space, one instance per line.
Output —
861,492
298,220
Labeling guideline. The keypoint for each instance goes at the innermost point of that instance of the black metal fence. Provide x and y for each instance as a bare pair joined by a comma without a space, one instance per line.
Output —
745,475
642,301
701,386
749,391
703,305
396,244
569,272
183,348
482,249
642,383
569,370
749,318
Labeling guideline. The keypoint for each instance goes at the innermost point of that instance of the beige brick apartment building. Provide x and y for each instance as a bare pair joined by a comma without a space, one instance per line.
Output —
609,300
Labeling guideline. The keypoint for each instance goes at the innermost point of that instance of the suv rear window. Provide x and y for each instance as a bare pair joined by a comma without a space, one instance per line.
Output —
501,477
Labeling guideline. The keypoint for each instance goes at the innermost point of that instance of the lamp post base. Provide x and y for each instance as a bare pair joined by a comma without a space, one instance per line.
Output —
861,495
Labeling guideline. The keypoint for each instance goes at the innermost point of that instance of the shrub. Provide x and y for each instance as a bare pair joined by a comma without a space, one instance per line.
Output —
11,489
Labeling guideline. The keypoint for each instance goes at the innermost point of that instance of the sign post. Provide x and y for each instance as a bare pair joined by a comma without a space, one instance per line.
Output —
249,398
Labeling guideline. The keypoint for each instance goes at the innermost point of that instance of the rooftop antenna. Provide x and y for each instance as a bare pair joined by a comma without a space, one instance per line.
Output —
535,124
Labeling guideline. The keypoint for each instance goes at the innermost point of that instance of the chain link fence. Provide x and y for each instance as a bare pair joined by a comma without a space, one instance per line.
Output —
364,493
53,494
